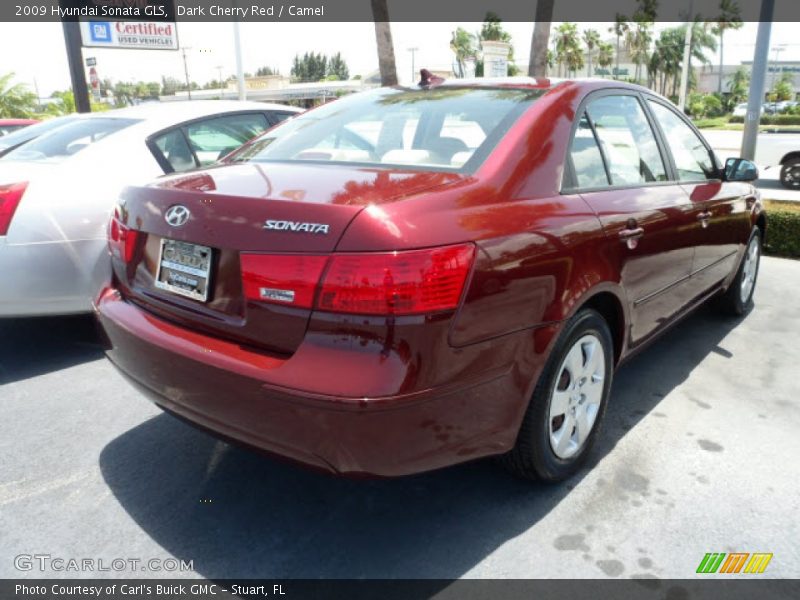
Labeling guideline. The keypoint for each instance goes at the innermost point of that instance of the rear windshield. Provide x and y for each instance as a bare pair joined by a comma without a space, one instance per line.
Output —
32,131
446,128
68,140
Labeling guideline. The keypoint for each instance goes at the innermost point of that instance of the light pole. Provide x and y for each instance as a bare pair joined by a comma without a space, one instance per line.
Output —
757,80
186,70
777,50
219,70
413,69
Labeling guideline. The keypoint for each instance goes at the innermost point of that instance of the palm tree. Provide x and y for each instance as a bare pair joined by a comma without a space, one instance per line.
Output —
619,29
16,101
738,87
383,37
728,19
463,44
591,37
605,54
702,40
537,65
567,46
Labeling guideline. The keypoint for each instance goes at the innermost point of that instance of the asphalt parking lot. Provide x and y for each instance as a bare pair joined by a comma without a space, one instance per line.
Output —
699,454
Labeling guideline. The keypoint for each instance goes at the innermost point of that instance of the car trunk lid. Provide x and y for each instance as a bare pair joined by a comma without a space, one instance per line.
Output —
235,210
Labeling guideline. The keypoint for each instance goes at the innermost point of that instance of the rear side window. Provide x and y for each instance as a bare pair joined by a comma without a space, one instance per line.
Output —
214,138
69,139
175,149
587,162
627,141
202,143
693,161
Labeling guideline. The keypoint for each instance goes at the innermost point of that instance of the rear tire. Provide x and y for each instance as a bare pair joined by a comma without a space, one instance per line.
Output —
790,174
564,415
738,299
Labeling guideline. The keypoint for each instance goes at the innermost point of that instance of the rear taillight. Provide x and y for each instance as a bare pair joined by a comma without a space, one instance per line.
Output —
289,279
10,195
121,240
397,283
385,283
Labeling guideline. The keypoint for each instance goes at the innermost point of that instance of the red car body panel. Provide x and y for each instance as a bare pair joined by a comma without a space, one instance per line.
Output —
396,395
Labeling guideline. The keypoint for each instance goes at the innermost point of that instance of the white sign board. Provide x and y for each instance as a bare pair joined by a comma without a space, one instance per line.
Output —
133,35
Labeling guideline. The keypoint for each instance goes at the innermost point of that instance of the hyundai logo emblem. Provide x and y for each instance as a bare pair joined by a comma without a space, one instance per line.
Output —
177,215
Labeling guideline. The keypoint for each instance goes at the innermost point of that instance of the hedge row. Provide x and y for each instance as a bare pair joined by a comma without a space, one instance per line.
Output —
783,232
772,120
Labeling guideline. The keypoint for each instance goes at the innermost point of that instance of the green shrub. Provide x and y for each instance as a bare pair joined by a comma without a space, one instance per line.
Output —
783,231
772,120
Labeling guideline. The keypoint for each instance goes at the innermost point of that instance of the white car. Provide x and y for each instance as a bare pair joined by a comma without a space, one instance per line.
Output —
57,191
781,149
740,110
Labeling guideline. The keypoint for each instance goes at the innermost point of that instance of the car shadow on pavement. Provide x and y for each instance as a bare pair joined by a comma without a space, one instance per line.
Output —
36,346
236,513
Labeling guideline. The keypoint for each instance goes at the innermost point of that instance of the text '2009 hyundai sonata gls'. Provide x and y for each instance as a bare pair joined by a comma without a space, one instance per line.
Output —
410,278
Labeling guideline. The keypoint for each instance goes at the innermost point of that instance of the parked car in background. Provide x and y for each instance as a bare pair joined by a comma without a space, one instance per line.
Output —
410,278
26,134
741,110
781,150
11,125
57,191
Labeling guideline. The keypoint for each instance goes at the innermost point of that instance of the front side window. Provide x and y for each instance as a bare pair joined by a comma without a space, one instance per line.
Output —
446,128
587,162
693,161
627,141
68,140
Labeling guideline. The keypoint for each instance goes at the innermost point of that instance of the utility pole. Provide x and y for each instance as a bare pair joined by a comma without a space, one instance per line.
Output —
186,70
687,56
237,43
80,91
757,80
413,69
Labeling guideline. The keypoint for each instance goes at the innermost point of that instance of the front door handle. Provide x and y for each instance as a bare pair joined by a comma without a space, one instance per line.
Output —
631,236
704,218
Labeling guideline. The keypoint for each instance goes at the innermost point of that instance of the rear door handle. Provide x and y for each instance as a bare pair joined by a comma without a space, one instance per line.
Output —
630,236
704,218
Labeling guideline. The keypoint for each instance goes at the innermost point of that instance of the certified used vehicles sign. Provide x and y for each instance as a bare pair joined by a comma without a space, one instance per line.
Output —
141,35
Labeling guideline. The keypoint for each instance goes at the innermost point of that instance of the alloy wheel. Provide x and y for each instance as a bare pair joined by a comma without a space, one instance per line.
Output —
575,401
749,270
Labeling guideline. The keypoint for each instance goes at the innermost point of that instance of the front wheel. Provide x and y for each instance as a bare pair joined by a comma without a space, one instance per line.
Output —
738,299
568,404
790,174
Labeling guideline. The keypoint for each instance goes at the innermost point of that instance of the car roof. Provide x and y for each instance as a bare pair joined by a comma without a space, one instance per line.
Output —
540,83
18,121
167,113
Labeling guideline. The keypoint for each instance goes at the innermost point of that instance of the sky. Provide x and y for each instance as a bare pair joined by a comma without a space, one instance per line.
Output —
35,51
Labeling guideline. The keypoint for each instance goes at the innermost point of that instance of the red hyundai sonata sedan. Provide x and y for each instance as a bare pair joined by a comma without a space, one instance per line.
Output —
409,278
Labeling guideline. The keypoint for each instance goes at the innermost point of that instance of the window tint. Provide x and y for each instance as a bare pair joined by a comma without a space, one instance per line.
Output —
692,159
214,138
587,162
175,150
69,139
627,140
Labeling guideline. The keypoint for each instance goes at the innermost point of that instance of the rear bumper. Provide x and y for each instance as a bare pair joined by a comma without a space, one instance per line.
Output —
241,394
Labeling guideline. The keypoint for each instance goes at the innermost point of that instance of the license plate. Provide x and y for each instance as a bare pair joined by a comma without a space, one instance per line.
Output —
184,269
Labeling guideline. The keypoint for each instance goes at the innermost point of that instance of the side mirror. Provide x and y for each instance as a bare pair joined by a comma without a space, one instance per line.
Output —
739,169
